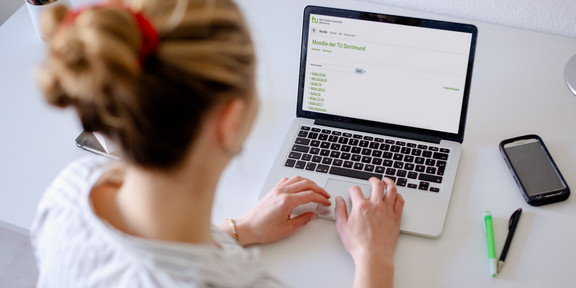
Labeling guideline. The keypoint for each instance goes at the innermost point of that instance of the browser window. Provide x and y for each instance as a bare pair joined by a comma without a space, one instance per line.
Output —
397,74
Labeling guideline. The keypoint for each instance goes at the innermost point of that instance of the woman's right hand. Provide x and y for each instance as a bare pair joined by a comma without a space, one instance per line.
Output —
371,231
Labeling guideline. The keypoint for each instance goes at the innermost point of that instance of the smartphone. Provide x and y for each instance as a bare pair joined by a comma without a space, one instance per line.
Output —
534,170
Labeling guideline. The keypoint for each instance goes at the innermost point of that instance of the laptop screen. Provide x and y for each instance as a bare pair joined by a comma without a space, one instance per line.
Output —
403,72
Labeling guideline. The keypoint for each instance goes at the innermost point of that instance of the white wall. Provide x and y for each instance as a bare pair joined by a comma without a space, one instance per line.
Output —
549,16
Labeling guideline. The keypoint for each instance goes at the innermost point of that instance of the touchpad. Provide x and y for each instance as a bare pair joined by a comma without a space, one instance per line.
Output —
340,188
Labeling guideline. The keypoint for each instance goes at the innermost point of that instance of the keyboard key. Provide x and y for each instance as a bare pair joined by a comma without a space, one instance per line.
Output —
377,161
300,148
389,141
326,131
411,145
335,146
430,162
376,153
325,145
409,158
366,159
424,147
398,164
353,173
337,162
432,148
369,138
391,171
419,160
317,159
384,147
316,130
431,170
401,182
369,167
387,155
345,148
364,143
327,160
358,166
434,189
311,166
345,156
302,141
325,152
315,143
315,151
444,150
295,155
405,150
356,136
409,166
353,142
356,157
395,148
306,157
388,163
423,186
440,171
305,128
356,150
337,133
379,140
374,145
313,135
347,135
400,143
343,140
398,157
401,173
412,186
380,169
300,165
290,163
323,137
302,134
440,156
322,168
366,151
348,164
333,138
420,168
416,152
430,178
412,175
335,154
427,154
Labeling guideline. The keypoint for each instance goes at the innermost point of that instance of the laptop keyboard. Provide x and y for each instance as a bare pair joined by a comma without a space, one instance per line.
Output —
334,152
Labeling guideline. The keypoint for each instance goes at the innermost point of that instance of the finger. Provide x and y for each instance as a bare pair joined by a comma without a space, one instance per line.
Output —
399,204
305,197
377,190
340,212
304,184
355,194
284,179
391,191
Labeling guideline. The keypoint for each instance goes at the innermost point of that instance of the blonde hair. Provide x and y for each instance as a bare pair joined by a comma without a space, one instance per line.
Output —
153,107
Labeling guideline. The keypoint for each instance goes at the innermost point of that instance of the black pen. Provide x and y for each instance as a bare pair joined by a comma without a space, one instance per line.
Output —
512,223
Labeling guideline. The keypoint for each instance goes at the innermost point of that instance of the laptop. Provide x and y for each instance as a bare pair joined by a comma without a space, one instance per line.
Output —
380,96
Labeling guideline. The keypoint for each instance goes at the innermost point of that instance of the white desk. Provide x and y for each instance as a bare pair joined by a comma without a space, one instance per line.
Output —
517,89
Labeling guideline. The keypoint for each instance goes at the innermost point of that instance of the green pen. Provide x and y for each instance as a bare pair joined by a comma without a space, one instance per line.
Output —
489,229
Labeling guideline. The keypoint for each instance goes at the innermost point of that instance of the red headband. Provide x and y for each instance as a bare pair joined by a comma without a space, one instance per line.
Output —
150,38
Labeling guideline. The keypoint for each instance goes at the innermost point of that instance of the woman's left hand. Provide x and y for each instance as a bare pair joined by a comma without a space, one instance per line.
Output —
270,219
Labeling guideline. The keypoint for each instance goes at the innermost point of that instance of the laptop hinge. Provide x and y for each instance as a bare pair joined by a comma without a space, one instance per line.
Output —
376,130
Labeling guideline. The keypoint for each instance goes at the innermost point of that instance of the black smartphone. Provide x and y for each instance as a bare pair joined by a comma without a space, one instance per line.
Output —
534,170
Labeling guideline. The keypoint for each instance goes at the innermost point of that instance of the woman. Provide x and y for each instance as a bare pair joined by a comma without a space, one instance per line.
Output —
172,83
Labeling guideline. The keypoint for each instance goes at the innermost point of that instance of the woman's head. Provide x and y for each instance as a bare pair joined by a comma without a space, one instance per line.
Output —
154,105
